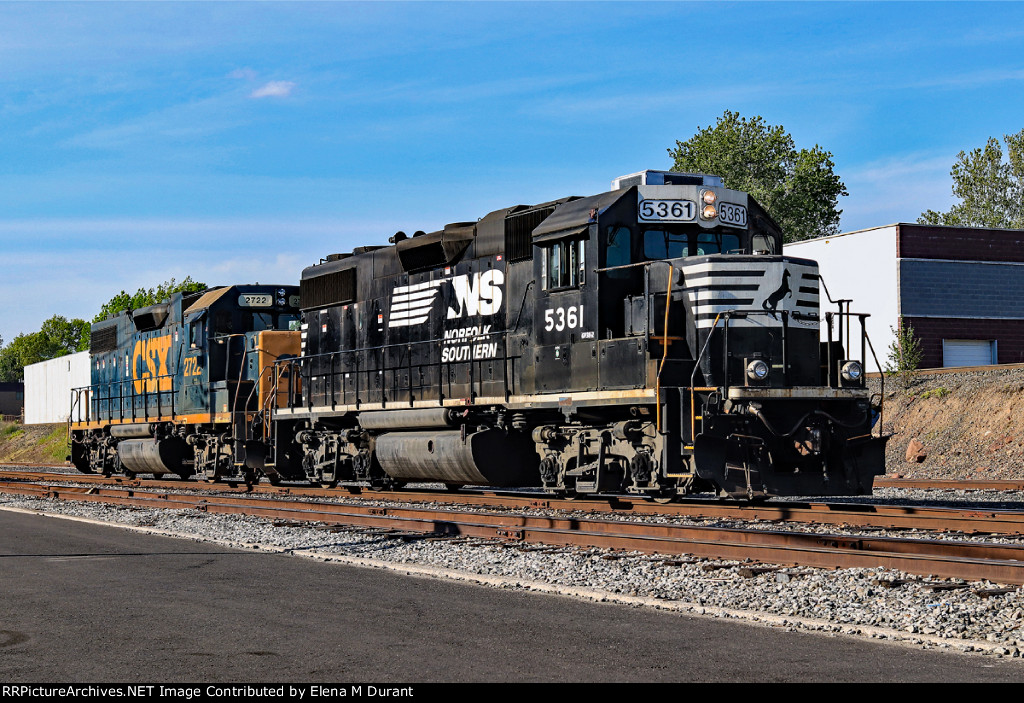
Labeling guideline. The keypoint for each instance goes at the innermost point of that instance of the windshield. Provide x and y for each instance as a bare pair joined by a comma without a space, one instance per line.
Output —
668,243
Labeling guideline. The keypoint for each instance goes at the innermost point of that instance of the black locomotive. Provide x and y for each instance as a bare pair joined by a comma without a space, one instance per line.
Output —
651,340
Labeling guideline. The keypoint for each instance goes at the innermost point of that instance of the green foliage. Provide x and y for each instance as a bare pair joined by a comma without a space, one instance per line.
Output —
55,444
904,355
940,392
144,297
58,336
991,190
799,189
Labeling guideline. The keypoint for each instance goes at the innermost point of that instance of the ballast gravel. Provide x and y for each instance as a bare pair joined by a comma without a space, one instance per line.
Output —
878,603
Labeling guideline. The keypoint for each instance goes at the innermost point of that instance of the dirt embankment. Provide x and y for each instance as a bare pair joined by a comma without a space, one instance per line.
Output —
969,424
33,444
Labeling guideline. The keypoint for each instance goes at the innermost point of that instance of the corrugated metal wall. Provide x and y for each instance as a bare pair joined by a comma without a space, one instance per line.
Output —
48,387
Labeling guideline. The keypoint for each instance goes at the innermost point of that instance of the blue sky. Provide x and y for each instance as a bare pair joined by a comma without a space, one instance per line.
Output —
242,141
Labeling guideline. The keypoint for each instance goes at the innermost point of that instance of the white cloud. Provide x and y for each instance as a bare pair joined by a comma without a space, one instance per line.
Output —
273,89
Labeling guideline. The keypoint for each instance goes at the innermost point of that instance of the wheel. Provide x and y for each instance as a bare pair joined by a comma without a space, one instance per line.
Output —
328,484
453,487
664,497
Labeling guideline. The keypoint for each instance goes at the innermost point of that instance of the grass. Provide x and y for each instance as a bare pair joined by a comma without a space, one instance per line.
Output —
55,444
940,392
19,444
11,430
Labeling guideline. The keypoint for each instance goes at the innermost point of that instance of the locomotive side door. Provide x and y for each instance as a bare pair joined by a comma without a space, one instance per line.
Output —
565,314
192,397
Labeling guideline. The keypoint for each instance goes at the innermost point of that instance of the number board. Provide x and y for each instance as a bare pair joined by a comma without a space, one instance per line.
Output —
256,301
731,214
667,211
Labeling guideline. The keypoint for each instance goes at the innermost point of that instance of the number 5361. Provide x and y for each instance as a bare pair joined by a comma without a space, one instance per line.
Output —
563,318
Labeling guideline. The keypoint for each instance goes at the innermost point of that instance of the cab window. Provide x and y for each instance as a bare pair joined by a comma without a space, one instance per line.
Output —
664,244
562,265
715,243
618,250
763,244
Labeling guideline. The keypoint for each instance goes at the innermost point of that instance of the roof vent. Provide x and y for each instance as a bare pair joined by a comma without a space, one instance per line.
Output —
666,178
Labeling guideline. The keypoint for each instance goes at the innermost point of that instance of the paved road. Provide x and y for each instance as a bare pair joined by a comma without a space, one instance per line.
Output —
85,603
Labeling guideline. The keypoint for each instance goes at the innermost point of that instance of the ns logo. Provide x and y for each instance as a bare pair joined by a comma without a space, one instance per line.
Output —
471,295
477,295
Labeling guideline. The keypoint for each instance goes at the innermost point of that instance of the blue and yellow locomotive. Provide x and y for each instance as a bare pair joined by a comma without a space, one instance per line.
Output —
177,386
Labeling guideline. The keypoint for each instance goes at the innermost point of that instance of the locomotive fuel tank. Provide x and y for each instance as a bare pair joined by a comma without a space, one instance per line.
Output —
487,457
152,456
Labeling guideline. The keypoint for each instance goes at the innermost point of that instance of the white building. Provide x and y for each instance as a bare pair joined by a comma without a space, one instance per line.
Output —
960,288
48,387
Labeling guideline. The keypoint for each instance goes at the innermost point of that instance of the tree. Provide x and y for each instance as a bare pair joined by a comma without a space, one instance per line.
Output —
58,336
144,297
799,189
991,190
904,355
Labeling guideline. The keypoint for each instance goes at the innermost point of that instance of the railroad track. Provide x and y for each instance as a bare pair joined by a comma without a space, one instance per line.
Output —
999,563
881,482
973,521
950,484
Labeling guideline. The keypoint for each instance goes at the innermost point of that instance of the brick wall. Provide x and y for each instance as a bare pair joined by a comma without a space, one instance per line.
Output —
959,243
1009,336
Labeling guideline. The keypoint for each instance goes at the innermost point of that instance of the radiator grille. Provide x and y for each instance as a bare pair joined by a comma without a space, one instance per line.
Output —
103,340
518,232
334,288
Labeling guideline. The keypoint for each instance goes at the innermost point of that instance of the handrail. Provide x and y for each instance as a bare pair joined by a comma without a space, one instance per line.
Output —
125,401
664,349
305,363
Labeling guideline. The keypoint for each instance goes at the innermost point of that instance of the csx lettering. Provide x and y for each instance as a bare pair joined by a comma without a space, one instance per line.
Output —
149,360
479,296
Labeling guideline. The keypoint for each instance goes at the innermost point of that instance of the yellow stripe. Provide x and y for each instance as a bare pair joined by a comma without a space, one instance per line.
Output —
196,419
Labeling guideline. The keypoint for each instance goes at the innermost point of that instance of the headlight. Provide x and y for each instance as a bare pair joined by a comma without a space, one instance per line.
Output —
281,301
709,212
709,197
852,371
757,370
281,292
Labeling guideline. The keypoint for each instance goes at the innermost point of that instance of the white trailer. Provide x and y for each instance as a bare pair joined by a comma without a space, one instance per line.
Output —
48,387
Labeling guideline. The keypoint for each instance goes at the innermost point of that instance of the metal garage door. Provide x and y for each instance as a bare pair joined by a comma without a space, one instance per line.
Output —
968,352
